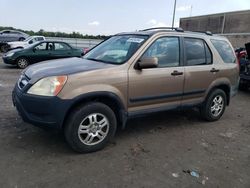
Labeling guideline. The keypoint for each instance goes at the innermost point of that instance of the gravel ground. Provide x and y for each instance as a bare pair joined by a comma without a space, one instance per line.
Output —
154,151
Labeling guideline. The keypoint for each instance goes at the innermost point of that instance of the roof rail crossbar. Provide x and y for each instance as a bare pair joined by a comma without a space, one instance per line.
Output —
165,28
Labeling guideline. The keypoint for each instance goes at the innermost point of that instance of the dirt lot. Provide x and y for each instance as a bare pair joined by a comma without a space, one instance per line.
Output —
155,151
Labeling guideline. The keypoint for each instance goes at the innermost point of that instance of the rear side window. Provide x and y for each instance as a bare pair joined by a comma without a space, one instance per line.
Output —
225,50
40,38
61,46
197,52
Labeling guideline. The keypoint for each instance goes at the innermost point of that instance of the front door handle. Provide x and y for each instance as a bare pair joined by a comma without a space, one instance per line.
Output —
213,70
176,73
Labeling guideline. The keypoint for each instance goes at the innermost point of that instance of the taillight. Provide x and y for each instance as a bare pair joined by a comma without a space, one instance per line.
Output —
238,63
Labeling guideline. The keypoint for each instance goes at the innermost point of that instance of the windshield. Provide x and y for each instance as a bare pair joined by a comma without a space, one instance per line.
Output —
117,49
27,39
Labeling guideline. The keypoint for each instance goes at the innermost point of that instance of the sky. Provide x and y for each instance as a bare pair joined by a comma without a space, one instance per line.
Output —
106,17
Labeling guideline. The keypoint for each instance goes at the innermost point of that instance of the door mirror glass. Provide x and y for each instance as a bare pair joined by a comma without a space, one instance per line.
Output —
146,63
166,50
30,42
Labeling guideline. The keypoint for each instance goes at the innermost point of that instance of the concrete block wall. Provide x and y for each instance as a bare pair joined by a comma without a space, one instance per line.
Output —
233,25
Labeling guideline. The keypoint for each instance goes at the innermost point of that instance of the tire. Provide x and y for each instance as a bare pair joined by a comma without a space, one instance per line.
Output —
84,137
4,48
21,39
22,62
214,106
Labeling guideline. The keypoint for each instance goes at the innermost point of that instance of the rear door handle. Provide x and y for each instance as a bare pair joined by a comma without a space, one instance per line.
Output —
214,70
176,73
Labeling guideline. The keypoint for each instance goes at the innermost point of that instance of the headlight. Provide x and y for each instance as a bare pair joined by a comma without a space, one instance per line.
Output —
49,86
10,54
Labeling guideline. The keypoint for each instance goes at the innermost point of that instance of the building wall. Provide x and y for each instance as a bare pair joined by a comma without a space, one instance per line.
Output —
234,25
238,40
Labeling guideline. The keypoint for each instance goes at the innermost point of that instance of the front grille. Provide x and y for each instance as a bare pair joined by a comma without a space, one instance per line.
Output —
22,82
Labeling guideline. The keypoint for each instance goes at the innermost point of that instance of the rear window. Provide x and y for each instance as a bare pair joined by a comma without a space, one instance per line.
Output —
225,50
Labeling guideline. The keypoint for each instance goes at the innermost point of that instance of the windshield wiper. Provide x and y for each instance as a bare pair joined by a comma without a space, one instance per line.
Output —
99,60
92,59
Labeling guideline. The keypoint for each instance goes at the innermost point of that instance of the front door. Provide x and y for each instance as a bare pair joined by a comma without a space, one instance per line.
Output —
42,52
161,87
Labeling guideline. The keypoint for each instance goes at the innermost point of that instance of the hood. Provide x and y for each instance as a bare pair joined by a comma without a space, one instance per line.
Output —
13,51
62,67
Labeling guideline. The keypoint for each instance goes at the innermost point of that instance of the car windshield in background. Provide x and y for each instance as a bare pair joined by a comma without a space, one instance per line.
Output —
117,49
27,39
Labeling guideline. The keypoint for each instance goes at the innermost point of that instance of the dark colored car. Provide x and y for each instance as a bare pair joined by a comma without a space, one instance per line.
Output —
41,51
243,57
9,36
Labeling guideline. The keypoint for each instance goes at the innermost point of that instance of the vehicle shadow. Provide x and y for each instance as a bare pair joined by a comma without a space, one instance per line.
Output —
162,120
47,141
4,66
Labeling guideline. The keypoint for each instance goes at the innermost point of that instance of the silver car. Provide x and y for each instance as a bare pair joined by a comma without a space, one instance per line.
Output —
12,35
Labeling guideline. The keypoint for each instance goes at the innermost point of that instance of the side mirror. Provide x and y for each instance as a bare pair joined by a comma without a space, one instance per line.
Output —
146,63
34,49
31,42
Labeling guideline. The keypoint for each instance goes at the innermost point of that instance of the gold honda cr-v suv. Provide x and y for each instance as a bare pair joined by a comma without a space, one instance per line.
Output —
128,74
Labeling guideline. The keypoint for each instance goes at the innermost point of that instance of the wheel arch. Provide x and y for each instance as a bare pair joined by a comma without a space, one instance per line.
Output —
108,98
223,86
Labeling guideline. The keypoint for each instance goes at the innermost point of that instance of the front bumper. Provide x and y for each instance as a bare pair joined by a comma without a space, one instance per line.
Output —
9,60
45,112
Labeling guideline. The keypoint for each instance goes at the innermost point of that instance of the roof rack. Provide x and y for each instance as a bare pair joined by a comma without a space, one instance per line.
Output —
178,29
205,32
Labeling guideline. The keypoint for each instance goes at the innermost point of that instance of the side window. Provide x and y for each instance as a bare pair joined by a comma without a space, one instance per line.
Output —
209,58
50,46
40,38
225,50
61,46
31,41
15,33
167,50
197,52
41,46
6,32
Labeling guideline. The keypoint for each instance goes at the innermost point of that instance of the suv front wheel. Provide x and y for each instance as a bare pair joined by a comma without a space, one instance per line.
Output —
90,127
214,106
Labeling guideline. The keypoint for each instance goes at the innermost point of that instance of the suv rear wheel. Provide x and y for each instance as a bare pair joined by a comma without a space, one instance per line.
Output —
90,127
214,106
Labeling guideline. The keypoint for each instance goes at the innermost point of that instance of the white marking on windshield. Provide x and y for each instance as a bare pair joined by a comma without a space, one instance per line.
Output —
135,40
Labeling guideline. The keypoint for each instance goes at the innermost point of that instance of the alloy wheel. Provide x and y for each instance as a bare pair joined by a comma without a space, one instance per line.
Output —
217,106
93,129
22,63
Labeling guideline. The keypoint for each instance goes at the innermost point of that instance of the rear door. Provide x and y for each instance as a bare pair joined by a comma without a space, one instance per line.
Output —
161,87
61,50
200,71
